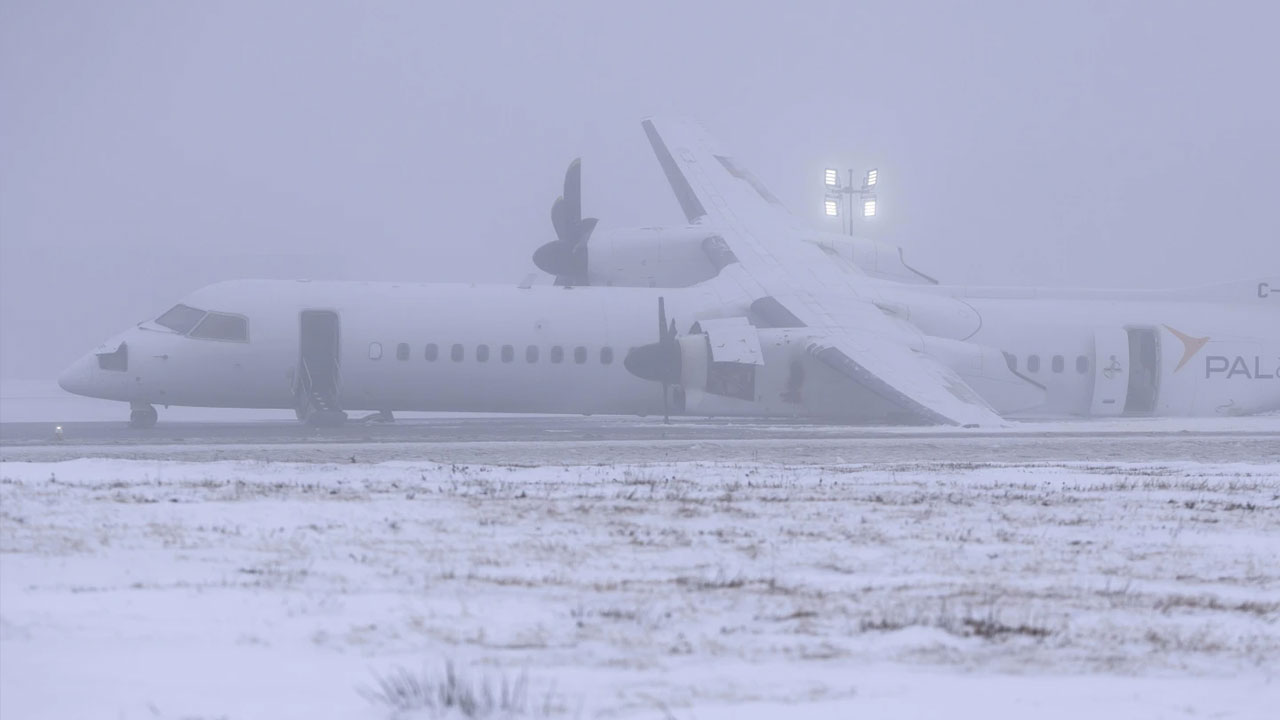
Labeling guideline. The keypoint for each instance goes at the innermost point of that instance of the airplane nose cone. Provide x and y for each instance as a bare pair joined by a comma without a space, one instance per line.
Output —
76,378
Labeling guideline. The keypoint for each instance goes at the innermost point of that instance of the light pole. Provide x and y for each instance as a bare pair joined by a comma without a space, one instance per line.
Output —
838,194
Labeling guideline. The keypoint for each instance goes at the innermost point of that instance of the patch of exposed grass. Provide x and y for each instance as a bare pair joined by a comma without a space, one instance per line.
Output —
454,694
987,624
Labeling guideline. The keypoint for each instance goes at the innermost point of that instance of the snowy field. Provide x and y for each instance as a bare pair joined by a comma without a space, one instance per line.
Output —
251,589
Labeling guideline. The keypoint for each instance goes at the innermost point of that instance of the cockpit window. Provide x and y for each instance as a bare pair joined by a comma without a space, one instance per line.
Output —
220,326
180,319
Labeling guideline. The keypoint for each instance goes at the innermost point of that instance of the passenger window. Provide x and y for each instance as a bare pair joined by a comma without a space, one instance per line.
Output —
1082,364
531,354
221,326
1033,363
455,353
433,352
402,351
557,354
375,351
1058,363
579,354
180,318
508,353
606,355
482,353
1012,361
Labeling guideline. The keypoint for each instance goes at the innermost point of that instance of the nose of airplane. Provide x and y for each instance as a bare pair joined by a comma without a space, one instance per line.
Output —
78,376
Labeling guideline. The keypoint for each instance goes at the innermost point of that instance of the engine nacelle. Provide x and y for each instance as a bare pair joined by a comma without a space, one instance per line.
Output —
786,381
650,257
731,368
677,257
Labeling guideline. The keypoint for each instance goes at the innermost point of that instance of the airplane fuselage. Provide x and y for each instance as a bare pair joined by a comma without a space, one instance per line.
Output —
543,349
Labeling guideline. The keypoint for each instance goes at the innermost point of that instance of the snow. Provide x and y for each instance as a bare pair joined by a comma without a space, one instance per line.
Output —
240,589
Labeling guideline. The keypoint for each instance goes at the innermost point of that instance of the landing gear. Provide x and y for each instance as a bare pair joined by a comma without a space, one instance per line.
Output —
143,416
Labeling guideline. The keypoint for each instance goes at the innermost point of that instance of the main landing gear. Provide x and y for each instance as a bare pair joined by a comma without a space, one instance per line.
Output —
143,416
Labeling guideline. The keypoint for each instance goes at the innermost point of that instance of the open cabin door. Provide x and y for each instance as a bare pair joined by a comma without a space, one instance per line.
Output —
1110,371
1144,371
318,378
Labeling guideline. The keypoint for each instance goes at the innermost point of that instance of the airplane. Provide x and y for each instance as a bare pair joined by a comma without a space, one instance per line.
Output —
743,313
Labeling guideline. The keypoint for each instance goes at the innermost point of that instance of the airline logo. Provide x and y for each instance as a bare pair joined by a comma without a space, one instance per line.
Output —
1190,346
1231,367
1224,365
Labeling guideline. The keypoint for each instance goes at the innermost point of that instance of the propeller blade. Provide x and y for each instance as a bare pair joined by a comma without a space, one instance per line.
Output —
563,221
573,190
585,227
566,256
659,361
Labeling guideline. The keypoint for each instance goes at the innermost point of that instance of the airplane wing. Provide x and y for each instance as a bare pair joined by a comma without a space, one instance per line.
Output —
853,336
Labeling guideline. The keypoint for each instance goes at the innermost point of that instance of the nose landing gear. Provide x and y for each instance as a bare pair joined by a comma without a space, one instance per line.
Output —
143,416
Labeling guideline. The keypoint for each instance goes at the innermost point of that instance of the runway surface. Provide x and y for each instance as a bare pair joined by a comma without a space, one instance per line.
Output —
540,440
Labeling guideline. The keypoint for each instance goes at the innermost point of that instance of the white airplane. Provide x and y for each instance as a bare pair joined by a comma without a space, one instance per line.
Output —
754,316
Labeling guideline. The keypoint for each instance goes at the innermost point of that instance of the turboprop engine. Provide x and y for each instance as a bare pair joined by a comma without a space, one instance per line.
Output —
651,257
729,367
679,256
630,257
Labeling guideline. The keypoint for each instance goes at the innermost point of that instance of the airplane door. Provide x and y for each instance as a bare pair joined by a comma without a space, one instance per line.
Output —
1110,371
318,383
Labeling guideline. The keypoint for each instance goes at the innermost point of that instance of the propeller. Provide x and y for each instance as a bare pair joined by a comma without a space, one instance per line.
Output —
566,256
658,361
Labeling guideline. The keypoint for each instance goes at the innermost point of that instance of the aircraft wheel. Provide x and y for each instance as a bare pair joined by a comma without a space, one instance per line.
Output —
143,417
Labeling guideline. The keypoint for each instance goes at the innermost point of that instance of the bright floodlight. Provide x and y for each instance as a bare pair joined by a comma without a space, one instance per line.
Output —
833,208
871,178
869,207
833,179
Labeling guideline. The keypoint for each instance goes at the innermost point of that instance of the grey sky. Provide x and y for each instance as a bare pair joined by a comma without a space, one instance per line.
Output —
150,148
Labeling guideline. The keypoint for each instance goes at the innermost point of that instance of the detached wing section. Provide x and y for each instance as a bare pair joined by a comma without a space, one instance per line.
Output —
852,335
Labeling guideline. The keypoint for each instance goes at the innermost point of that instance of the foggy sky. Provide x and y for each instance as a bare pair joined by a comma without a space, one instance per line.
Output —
149,148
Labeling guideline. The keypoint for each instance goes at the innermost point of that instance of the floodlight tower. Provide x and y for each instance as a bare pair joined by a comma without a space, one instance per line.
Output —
838,195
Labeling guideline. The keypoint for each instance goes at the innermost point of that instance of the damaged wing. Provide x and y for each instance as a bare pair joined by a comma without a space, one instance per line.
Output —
857,340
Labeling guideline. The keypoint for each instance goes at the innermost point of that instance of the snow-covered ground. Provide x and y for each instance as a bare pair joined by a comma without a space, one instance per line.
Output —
144,589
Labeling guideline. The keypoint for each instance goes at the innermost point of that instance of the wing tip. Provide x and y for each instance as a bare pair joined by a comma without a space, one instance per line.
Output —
688,199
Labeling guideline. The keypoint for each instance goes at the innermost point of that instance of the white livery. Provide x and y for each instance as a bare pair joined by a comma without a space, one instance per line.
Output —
740,313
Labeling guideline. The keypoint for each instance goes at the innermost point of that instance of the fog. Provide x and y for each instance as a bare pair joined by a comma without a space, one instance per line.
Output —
149,148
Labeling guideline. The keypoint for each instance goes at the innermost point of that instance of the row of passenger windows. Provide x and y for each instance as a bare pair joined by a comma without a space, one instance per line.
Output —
1057,362
507,353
